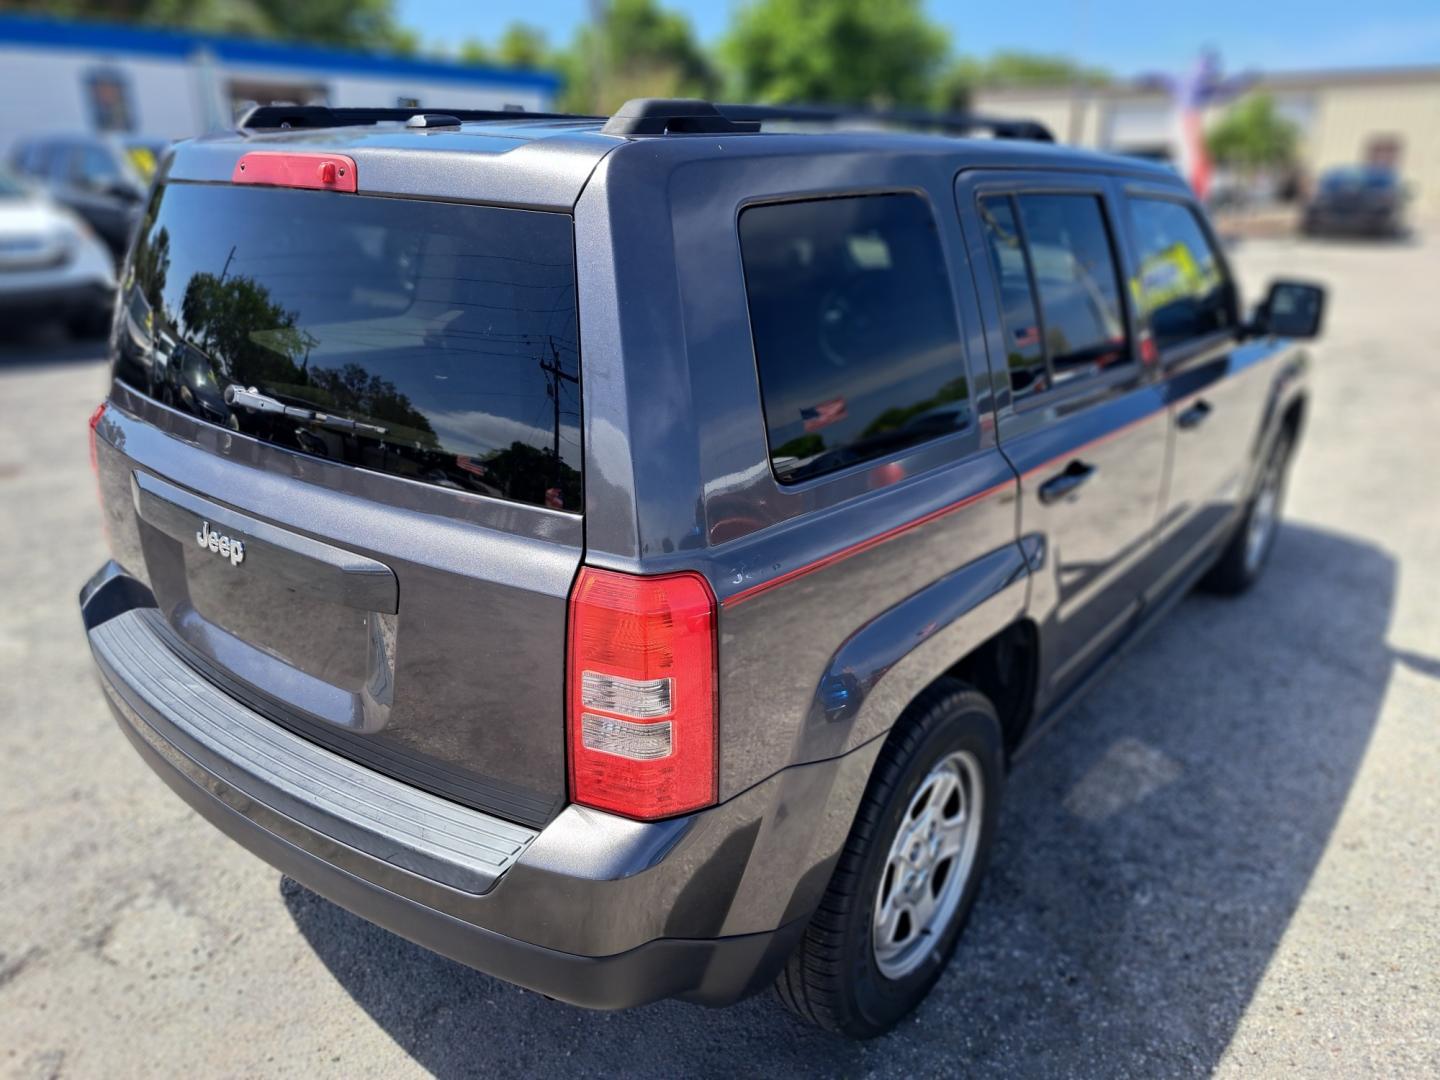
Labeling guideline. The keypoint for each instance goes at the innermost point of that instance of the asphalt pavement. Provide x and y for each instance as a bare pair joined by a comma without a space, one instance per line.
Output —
1227,860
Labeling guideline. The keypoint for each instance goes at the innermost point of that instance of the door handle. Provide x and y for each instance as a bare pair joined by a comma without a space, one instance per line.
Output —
1057,487
1194,416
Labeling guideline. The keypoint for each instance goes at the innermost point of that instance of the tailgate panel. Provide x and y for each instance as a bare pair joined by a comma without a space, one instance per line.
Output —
475,645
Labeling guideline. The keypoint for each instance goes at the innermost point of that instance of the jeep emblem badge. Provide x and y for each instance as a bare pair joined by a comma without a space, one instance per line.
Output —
223,546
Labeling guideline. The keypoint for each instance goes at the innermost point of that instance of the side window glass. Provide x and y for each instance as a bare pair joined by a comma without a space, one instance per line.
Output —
1024,351
856,339
1077,281
1182,289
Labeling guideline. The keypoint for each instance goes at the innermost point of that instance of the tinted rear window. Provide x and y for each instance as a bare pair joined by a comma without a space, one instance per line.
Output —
855,331
431,341
1078,283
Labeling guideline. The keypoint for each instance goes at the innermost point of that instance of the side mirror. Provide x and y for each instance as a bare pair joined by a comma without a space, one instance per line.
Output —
1292,309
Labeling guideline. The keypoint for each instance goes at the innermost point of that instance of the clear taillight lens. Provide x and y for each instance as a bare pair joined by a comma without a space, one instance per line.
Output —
641,708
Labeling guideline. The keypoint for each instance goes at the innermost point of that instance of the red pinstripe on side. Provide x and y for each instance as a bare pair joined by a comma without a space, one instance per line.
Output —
856,548
890,534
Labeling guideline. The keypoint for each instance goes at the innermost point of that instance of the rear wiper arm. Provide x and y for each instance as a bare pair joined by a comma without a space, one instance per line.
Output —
250,398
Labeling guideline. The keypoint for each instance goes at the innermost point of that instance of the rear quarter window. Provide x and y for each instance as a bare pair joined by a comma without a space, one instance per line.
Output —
855,334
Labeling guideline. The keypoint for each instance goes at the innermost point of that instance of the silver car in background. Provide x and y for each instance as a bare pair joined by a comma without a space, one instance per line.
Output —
52,265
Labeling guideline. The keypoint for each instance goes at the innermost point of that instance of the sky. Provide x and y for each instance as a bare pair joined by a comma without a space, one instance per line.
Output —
1127,37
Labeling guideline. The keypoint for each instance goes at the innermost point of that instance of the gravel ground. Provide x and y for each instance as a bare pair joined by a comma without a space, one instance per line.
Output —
1226,861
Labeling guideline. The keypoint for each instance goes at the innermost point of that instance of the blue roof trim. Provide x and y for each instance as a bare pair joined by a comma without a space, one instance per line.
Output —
182,44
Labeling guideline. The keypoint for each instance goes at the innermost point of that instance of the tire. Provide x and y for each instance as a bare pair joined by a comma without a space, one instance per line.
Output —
1245,555
839,977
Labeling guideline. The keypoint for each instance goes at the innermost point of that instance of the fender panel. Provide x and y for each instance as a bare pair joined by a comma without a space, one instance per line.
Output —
885,664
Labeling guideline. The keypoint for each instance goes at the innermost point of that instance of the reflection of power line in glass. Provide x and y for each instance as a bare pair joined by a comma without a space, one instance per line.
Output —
555,376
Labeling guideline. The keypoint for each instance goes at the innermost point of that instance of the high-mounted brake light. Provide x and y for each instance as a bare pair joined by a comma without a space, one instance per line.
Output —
640,714
321,172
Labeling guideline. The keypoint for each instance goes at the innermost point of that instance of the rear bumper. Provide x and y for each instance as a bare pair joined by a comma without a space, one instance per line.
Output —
593,909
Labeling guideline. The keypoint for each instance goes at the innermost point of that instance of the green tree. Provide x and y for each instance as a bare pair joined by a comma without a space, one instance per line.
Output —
954,89
1253,135
638,49
1013,68
523,46
359,24
861,52
474,51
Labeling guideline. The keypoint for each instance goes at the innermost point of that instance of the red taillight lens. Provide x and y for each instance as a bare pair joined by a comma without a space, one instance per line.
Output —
640,715
95,419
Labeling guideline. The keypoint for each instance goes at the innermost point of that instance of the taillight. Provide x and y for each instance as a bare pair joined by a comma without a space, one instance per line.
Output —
95,418
640,716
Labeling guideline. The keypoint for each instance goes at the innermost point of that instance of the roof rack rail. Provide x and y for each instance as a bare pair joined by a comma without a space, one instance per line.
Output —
650,116
681,116
275,117
925,119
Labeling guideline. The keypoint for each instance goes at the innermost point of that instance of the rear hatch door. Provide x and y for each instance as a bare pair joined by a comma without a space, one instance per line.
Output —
348,466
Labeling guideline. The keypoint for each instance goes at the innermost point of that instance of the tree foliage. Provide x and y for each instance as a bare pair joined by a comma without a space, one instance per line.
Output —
1015,68
520,46
1253,135
360,24
639,49
870,52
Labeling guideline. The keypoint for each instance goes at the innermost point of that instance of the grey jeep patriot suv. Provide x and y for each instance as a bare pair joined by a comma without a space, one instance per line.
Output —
625,555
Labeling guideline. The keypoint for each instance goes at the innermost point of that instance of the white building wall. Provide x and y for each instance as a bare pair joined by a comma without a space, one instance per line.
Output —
45,91
364,90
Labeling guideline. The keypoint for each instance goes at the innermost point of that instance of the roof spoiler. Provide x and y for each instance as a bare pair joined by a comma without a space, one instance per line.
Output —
278,117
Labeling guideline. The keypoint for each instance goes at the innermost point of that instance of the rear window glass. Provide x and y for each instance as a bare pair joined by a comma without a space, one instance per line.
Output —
1024,350
432,341
854,328
1074,266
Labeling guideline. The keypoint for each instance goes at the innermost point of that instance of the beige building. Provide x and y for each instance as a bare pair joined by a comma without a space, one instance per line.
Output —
1345,117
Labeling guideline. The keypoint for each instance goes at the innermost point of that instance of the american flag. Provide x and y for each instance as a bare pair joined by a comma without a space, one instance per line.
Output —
1190,93
824,414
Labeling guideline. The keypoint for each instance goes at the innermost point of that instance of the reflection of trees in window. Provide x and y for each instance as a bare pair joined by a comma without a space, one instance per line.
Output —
352,391
152,267
900,416
254,341
895,428
802,446
533,474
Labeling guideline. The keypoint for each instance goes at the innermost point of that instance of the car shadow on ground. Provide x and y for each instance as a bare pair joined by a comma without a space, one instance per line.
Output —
1152,851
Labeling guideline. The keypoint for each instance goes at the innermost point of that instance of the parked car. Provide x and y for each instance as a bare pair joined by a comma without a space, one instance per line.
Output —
1363,199
51,265
102,178
632,552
